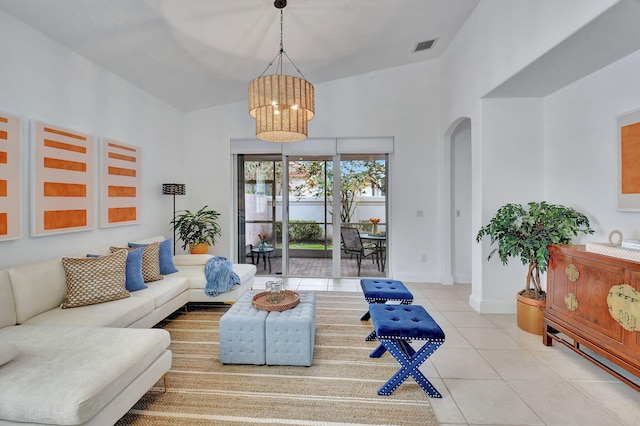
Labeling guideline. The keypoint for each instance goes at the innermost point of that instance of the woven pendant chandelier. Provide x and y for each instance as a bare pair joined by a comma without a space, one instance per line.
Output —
281,104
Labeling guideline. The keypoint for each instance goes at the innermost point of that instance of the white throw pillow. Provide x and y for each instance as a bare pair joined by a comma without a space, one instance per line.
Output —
7,353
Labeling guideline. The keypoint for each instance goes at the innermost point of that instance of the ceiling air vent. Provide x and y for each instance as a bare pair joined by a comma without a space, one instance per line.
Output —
424,45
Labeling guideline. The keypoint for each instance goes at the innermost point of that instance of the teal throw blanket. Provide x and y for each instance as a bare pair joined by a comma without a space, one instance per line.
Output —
220,276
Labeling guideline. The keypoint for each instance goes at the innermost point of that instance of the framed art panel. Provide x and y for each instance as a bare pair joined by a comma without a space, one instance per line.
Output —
120,183
629,161
62,180
10,172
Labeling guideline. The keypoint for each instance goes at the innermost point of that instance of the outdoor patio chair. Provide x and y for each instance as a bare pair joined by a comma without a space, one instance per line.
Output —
249,253
352,244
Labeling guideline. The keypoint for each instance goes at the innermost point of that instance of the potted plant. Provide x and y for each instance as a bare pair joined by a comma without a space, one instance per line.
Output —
525,233
197,230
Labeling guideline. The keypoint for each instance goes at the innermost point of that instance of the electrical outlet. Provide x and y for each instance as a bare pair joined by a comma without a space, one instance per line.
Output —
424,258
420,213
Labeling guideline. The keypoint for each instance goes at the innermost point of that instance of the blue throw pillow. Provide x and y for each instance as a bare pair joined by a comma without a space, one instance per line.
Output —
133,272
166,256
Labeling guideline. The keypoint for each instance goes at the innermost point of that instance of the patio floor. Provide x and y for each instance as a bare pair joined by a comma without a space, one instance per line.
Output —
319,267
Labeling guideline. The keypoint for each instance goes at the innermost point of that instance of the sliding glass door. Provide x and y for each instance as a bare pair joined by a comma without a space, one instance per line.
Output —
363,207
291,209
310,237
259,212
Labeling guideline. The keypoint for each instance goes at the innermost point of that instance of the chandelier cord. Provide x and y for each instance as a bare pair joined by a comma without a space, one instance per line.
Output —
281,52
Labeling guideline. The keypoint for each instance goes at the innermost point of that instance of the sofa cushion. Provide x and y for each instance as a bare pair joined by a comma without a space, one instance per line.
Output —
92,280
7,307
197,279
165,256
118,313
66,375
150,261
7,352
163,291
37,287
191,259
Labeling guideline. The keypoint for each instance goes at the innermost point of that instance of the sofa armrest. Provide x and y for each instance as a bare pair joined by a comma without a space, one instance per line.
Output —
191,259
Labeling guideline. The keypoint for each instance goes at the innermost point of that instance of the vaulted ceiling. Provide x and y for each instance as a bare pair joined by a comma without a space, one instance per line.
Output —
195,54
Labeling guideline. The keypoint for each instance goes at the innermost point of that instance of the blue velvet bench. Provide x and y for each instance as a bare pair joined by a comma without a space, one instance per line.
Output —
383,291
395,325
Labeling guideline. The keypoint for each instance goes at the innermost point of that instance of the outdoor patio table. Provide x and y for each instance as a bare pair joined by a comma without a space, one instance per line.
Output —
266,255
380,242
395,325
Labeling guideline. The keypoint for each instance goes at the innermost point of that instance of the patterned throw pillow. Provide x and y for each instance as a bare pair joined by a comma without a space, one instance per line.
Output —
134,280
150,261
95,280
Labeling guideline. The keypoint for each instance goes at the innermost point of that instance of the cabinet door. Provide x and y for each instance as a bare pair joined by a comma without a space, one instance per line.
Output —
633,337
558,284
591,291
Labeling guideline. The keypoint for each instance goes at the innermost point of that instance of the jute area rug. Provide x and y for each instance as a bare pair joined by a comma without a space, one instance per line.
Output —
340,388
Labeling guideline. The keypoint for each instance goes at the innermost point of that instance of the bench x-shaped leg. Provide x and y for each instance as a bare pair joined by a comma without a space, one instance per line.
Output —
409,360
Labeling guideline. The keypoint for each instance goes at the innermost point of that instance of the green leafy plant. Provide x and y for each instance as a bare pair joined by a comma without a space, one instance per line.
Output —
355,176
525,233
197,228
300,230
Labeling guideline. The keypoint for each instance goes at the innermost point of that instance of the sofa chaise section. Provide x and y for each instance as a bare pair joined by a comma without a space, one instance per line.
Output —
89,364
76,375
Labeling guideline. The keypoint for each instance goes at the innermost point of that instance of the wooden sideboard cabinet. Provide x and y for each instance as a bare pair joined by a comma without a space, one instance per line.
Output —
581,286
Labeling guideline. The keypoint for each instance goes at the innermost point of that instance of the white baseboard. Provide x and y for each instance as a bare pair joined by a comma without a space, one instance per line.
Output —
416,278
462,279
493,306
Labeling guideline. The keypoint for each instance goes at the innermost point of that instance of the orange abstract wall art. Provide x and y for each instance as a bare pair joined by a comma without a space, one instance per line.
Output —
628,138
10,171
120,181
63,197
630,158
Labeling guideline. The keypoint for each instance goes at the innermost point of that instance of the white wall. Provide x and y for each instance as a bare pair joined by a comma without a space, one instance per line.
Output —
498,40
401,102
581,145
42,80
512,172
208,168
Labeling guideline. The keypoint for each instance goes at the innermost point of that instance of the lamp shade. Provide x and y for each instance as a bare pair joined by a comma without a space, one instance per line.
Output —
173,189
281,105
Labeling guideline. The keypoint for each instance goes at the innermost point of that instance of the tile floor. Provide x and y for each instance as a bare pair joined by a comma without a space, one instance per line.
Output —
491,373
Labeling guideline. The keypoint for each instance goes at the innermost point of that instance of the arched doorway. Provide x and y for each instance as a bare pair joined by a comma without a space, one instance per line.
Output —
457,233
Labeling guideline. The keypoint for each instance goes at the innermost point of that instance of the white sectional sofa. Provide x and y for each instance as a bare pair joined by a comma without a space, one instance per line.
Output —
89,364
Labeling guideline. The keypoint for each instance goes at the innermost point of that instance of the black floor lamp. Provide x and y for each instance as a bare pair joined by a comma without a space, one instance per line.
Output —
173,189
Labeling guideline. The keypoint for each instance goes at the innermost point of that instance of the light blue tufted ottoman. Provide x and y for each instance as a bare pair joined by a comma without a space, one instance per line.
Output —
252,336
242,333
290,335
